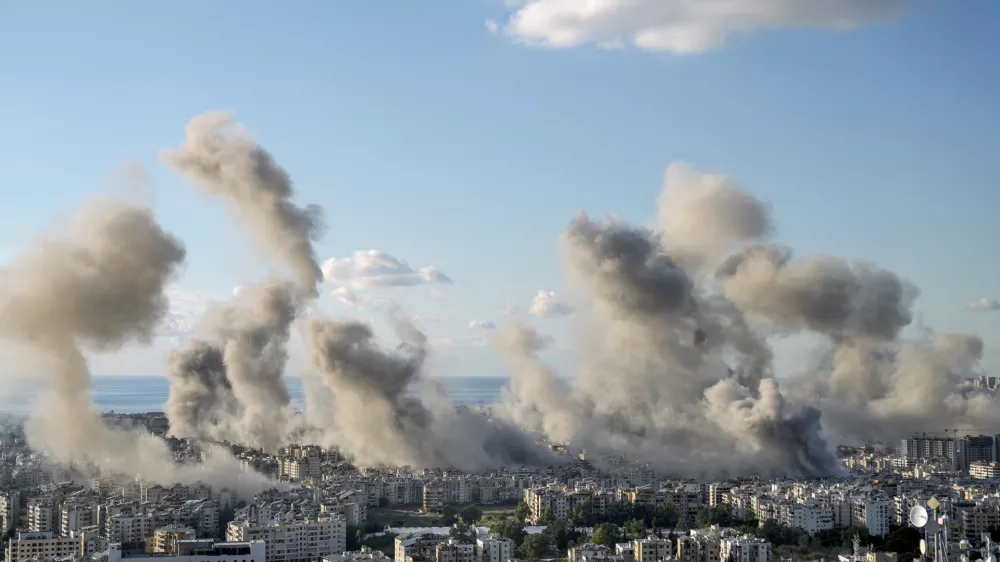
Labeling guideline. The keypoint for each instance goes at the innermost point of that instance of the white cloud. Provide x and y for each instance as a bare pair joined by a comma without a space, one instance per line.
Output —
548,303
680,26
492,27
482,325
510,310
360,302
985,305
368,269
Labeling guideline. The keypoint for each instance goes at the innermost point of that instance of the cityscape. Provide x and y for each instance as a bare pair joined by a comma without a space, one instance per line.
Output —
692,281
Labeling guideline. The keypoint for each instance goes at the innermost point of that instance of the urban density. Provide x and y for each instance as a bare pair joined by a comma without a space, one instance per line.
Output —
321,507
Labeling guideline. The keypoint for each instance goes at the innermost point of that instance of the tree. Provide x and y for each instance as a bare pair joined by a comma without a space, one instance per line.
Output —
904,540
535,546
448,516
521,512
353,538
509,528
581,514
635,528
561,535
471,515
665,515
607,534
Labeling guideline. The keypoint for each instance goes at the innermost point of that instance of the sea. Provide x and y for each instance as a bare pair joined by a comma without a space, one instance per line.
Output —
124,394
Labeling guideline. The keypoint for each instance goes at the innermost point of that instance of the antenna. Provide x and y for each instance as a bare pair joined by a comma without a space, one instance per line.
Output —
918,516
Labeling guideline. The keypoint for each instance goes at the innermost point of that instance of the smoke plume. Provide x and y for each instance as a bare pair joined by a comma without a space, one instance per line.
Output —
98,284
228,383
377,419
677,364
224,161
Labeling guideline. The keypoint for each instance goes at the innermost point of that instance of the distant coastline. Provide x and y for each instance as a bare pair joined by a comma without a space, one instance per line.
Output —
147,393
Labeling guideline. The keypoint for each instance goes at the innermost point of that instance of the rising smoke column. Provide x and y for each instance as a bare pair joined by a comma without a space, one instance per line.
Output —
227,384
377,420
221,159
246,400
678,368
98,284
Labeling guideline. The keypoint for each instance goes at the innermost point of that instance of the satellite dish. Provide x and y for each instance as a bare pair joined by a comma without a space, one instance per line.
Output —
918,516
923,546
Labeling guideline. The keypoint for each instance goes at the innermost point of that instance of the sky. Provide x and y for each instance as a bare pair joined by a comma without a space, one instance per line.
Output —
451,141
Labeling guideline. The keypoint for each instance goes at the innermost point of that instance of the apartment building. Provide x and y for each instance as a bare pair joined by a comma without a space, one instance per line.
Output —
494,549
652,549
44,545
744,549
293,539
198,551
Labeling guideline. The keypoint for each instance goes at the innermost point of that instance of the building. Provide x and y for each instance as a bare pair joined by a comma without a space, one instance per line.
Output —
42,515
875,515
699,547
494,549
984,470
44,545
198,551
165,539
294,539
809,517
76,516
744,549
421,546
980,448
433,498
652,549
10,508
454,551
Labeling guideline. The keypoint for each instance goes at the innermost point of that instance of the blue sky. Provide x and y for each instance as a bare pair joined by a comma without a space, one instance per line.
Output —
431,138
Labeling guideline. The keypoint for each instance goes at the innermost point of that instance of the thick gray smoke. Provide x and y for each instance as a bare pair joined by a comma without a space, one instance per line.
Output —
224,161
377,418
227,384
678,368
98,284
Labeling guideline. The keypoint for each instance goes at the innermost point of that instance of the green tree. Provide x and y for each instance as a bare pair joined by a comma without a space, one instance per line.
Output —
353,538
510,528
535,546
471,515
561,535
448,516
521,512
607,534
581,515
635,528
664,515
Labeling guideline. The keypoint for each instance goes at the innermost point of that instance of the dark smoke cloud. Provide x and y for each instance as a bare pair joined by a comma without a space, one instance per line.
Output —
224,161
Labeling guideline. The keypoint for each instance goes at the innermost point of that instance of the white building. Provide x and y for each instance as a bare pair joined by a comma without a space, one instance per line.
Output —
297,540
41,515
199,551
809,517
875,515
45,545
494,549
744,549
